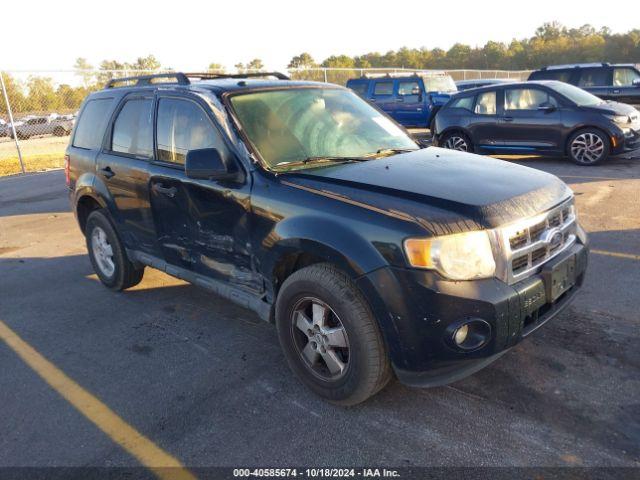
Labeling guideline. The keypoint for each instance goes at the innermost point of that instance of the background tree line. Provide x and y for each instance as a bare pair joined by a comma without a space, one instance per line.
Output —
552,43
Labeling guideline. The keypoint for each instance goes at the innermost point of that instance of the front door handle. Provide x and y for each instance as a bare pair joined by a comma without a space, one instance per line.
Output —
508,119
168,191
616,91
107,172
399,99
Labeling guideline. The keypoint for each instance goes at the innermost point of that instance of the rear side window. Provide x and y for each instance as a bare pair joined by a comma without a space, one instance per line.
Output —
133,128
183,126
486,103
526,99
383,88
624,77
593,77
464,102
91,124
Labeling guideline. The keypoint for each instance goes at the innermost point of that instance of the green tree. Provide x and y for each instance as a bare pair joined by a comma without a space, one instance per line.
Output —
216,68
15,93
304,60
255,64
85,70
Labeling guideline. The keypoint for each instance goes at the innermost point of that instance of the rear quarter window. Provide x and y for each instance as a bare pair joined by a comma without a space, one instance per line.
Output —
359,88
383,88
92,123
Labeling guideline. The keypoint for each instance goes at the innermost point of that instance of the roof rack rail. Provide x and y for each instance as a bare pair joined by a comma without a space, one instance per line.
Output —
404,73
211,76
144,80
576,65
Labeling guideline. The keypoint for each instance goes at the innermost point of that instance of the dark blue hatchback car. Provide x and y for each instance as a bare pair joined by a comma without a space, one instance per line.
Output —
541,118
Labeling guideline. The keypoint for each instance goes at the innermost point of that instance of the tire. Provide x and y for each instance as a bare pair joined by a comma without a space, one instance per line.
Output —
113,267
456,141
338,319
588,147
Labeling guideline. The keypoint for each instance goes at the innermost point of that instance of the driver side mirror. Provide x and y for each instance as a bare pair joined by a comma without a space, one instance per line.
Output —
546,107
207,164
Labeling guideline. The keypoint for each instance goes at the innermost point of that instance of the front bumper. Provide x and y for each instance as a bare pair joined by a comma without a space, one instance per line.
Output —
416,309
627,141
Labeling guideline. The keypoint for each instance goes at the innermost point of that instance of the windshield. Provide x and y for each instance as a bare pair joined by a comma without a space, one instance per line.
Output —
576,95
298,124
439,83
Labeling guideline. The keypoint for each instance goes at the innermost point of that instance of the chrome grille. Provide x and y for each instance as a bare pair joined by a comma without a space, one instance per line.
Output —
525,246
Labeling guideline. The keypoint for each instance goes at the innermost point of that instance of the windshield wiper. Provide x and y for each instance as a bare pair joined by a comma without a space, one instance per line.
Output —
320,159
391,151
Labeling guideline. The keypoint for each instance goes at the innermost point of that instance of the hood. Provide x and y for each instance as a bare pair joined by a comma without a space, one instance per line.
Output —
613,108
443,190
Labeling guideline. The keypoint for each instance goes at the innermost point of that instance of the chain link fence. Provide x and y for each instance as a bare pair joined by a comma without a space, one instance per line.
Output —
38,108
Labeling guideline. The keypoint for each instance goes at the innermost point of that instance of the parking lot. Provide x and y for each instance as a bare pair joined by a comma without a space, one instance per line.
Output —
205,381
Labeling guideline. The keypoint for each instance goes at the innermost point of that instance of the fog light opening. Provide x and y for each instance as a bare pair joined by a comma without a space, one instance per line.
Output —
470,335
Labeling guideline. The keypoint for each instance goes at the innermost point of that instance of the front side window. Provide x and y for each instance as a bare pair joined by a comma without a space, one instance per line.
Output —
91,124
408,88
464,102
624,77
183,126
526,99
593,77
132,129
486,103
296,124
383,88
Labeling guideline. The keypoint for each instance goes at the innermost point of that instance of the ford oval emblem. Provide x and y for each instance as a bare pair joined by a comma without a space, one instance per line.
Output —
554,239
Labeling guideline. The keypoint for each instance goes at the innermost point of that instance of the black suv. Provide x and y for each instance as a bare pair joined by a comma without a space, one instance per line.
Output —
300,201
540,118
619,82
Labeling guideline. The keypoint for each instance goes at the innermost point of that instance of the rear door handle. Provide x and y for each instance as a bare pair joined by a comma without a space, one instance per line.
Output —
168,191
508,119
107,172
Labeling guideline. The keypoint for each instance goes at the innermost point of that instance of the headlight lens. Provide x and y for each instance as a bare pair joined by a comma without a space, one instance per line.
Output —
464,256
619,118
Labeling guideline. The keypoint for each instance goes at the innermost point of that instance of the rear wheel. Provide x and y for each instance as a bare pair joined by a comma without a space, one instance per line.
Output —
329,336
457,141
107,254
588,147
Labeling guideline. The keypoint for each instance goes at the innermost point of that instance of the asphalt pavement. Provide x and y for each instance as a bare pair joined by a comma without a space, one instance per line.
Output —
205,381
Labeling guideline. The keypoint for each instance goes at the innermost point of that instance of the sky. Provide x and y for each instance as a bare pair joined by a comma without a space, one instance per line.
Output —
189,35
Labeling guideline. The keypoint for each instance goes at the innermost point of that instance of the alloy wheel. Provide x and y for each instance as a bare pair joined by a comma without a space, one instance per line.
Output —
320,339
456,142
587,147
102,251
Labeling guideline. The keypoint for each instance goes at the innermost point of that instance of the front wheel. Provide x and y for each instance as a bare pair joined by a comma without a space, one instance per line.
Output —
329,336
457,141
588,147
107,254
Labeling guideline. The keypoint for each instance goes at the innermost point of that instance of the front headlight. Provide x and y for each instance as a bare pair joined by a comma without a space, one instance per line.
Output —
620,119
463,256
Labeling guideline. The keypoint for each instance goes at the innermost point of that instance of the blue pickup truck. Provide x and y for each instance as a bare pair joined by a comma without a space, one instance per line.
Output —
412,99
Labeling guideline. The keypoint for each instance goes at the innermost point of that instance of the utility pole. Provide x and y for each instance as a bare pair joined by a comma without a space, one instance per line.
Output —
13,127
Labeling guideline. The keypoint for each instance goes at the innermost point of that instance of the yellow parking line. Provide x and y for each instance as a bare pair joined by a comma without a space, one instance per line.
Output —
630,256
148,453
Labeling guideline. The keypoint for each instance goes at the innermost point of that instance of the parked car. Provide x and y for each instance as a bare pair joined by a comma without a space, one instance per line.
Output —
541,118
302,202
412,99
43,125
617,82
4,128
481,82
